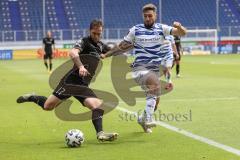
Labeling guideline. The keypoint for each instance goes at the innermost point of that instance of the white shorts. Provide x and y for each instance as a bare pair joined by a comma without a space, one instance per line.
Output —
140,75
167,61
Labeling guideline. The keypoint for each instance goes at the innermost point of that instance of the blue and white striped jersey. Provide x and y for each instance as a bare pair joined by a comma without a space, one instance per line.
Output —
166,48
149,44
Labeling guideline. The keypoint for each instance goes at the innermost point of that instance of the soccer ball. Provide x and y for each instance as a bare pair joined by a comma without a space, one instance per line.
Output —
74,138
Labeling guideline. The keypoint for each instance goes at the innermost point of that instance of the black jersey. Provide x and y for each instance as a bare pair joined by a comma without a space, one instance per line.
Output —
89,55
48,42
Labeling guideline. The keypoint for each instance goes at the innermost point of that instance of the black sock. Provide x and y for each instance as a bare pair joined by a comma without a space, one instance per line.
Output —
177,68
46,64
97,115
50,66
39,100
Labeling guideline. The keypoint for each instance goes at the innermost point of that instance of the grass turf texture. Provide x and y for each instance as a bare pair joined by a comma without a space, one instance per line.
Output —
209,87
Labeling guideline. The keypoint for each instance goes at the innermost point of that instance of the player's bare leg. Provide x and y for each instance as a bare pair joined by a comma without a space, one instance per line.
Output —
93,104
51,103
167,73
157,102
152,86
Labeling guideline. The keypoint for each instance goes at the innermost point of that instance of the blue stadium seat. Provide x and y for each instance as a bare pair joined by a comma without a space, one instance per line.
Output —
76,14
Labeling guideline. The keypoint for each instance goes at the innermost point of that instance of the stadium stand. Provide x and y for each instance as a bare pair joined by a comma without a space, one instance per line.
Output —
22,19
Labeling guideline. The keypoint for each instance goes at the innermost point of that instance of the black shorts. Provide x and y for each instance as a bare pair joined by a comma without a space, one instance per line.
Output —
47,55
75,86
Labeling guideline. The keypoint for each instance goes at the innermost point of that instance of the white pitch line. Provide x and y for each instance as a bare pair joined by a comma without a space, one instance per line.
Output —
196,99
205,99
191,135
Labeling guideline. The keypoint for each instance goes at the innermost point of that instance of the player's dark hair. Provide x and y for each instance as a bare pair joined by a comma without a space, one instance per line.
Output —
96,23
148,7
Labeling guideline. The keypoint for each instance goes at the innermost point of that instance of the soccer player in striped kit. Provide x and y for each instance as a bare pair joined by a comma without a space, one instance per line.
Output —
147,41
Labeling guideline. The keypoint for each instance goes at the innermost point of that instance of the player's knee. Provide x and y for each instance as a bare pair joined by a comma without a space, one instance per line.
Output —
154,89
93,103
49,106
97,103
157,89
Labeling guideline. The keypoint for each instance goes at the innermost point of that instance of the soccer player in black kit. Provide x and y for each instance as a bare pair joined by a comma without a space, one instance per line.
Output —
48,46
81,74
177,57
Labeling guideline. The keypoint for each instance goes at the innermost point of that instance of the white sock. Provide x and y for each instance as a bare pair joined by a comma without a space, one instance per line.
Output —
150,105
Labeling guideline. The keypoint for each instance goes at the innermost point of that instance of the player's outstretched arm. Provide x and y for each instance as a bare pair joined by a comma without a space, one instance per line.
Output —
76,60
119,49
175,51
178,29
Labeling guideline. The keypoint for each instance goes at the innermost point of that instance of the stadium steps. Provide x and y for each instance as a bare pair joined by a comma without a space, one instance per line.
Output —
60,14
235,12
15,15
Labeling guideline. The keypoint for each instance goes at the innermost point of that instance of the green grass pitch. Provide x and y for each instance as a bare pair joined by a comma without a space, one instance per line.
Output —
209,87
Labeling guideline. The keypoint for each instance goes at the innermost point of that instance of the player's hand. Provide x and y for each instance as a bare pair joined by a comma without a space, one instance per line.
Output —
177,56
83,71
176,24
102,56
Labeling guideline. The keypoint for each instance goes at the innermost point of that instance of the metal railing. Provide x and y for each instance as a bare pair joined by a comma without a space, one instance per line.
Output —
118,33
36,35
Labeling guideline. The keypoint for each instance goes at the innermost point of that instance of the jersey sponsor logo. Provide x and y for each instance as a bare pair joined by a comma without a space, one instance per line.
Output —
154,39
